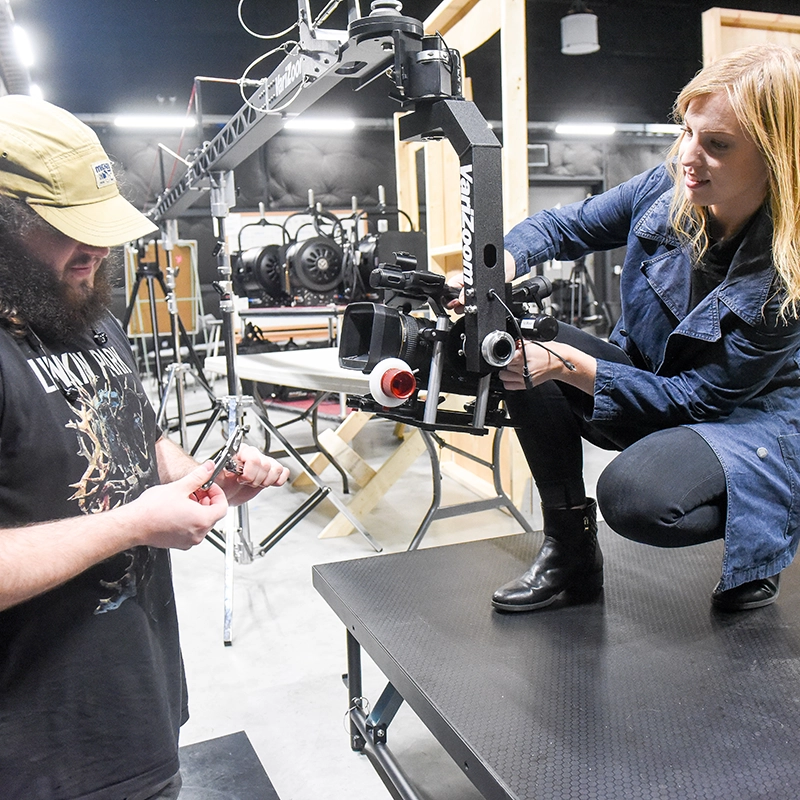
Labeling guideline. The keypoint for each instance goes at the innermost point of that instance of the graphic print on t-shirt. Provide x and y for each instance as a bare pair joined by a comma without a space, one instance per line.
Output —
108,409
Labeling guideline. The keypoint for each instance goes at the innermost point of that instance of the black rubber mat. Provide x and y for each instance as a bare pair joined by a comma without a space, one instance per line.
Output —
226,768
646,693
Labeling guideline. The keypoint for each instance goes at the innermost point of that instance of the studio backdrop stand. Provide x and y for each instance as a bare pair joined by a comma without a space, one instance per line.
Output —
236,542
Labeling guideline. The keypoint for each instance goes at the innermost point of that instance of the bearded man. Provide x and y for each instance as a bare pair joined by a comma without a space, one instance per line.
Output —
92,495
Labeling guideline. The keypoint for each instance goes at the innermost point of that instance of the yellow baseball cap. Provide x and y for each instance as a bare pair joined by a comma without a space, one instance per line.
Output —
56,164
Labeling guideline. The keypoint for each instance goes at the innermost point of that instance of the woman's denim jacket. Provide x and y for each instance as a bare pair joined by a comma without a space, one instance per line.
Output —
729,368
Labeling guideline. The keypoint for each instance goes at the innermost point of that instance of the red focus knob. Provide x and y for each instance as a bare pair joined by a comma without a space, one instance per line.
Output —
398,383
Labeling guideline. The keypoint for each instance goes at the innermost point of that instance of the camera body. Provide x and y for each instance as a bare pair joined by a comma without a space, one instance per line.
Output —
387,343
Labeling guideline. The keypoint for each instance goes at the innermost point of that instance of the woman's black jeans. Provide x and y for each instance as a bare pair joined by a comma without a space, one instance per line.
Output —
665,489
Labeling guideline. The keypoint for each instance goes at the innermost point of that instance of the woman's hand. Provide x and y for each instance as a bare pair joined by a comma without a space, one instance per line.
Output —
553,361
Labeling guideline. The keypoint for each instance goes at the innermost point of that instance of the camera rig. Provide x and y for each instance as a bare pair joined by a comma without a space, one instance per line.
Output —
406,355
426,81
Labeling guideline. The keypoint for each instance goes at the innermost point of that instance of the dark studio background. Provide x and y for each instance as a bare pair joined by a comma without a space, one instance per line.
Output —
100,59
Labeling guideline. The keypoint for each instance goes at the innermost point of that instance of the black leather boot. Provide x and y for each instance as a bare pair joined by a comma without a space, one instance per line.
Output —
570,561
754,594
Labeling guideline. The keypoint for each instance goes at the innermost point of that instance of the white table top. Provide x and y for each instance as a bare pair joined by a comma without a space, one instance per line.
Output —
314,368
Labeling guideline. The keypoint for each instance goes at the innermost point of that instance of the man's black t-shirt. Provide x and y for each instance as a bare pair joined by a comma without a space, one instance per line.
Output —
91,682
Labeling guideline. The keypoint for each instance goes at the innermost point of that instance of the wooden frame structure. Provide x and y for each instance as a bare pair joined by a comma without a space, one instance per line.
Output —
728,29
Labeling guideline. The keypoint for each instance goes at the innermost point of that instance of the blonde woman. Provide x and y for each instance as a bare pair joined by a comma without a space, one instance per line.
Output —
699,385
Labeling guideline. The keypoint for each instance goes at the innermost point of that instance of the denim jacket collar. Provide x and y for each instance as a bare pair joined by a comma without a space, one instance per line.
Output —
745,289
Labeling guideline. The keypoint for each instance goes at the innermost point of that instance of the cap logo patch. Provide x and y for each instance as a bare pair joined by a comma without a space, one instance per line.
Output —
103,174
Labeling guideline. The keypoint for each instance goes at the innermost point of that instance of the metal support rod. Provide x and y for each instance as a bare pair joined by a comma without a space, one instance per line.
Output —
231,534
362,739
436,477
353,682
385,709
151,299
176,376
342,507
383,760
443,325
481,402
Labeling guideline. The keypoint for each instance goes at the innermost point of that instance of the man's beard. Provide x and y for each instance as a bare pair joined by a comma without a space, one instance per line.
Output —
56,311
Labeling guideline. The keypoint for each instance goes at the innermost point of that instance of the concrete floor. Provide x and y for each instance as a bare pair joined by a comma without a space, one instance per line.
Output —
280,681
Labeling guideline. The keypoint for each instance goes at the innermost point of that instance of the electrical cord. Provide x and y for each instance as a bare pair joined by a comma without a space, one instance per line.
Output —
526,374
263,35
290,48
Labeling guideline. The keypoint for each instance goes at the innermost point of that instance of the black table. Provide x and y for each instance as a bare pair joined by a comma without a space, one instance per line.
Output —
646,693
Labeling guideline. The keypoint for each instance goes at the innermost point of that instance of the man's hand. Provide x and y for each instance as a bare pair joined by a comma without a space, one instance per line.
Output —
37,558
257,471
179,514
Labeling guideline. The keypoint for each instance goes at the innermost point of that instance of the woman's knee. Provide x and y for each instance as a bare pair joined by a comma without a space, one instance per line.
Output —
659,507
627,505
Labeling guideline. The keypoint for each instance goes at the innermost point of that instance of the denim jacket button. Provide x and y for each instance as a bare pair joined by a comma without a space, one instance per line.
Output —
762,452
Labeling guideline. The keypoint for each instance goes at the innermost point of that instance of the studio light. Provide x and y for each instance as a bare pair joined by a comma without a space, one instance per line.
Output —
579,31
22,43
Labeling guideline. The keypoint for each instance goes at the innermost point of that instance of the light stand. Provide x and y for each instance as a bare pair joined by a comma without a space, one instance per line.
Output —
176,372
236,542
579,280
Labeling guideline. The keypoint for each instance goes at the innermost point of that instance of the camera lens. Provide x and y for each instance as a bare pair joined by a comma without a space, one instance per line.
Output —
414,349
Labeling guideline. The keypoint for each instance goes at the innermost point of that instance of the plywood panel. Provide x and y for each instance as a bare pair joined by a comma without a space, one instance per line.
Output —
465,25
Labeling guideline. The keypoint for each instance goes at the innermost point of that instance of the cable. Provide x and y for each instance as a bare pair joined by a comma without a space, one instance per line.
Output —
243,81
263,35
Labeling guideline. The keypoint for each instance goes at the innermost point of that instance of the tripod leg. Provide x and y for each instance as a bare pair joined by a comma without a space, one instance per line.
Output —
184,338
154,324
126,318
161,417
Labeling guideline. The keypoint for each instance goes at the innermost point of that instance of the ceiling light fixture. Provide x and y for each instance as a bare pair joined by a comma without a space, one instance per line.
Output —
579,31
22,43
657,127
319,124
156,121
585,129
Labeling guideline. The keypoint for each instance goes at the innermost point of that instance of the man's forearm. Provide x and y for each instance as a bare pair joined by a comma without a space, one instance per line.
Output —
37,558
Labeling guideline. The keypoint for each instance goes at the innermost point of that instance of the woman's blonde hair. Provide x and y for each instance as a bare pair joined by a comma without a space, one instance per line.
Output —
763,86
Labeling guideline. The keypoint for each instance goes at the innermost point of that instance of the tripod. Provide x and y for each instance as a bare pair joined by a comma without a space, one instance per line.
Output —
150,273
582,291
236,542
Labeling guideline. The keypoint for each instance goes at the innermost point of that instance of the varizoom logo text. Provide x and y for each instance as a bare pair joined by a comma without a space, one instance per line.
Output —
291,74
467,223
